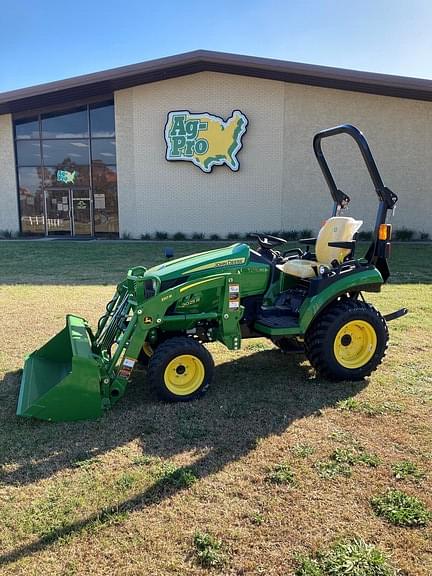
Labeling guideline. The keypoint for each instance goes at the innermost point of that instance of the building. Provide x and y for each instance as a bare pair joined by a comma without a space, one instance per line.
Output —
93,155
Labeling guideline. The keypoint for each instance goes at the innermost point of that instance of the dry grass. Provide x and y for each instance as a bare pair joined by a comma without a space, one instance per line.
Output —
127,494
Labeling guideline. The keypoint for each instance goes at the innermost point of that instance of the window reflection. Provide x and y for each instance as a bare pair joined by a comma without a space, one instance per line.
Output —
102,120
105,198
31,200
65,125
28,153
65,152
75,176
27,128
53,152
104,149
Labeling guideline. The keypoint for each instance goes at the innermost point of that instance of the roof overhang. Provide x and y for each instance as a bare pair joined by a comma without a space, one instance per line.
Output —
107,82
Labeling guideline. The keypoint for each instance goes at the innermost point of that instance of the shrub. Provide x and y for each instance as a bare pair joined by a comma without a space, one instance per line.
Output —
404,234
305,233
126,236
179,236
7,235
257,518
342,460
407,470
208,550
161,235
249,236
401,509
169,474
145,236
215,237
233,236
364,236
424,236
369,459
288,234
347,558
281,474
331,468
144,460
302,450
125,482
354,405
198,236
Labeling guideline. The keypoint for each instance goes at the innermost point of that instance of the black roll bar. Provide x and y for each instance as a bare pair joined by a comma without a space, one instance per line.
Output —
387,198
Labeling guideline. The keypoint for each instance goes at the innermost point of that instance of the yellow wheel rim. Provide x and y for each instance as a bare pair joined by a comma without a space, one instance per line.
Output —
355,344
184,375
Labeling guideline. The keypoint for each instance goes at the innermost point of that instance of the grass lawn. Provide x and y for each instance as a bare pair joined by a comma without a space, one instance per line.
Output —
272,463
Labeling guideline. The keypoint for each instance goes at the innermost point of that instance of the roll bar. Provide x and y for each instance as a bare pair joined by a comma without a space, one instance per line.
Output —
387,198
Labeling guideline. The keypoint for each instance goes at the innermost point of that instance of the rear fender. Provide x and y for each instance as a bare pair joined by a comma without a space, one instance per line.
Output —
370,279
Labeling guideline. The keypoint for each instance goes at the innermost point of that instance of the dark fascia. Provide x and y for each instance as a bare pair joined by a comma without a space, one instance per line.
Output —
107,82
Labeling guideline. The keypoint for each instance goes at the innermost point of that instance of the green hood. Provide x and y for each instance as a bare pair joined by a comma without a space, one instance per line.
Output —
203,263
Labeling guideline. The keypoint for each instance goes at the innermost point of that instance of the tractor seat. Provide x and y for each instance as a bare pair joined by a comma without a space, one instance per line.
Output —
336,229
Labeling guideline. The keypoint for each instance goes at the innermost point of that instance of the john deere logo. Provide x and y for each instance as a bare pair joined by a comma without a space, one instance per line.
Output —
66,177
204,139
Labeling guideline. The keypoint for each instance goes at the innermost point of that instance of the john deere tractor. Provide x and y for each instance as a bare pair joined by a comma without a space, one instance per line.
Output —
310,297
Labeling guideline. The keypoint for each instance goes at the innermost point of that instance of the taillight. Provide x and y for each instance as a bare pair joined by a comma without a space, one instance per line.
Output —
384,232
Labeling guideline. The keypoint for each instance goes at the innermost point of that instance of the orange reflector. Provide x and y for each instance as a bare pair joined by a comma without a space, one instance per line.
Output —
384,232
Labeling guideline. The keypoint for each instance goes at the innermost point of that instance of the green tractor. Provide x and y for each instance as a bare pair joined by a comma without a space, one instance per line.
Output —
308,299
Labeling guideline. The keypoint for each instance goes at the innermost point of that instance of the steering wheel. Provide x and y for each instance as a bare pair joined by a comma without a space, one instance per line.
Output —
267,242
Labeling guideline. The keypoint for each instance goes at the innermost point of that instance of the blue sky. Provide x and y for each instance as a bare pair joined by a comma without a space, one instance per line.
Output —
47,40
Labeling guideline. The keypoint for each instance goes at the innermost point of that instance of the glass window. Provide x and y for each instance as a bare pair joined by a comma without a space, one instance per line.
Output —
28,153
60,125
65,152
105,198
31,200
66,176
104,150
27,128
102,120
54,151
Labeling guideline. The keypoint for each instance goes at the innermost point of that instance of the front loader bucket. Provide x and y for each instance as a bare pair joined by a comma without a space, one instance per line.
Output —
61,380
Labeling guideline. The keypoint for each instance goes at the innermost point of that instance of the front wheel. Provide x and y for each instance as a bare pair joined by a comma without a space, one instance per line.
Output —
180,369
348,341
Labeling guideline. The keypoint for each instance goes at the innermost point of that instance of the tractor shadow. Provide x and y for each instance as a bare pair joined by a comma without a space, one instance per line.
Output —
252,397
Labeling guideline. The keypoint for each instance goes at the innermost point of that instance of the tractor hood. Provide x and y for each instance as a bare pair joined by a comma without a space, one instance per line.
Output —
202,263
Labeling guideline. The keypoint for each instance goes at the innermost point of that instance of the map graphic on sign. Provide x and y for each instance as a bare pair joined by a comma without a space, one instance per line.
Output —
66,177
204,139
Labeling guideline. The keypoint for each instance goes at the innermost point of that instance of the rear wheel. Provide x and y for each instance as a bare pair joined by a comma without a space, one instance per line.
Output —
348,341
180,369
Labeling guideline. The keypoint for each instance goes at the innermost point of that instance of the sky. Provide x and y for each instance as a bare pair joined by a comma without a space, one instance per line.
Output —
46,40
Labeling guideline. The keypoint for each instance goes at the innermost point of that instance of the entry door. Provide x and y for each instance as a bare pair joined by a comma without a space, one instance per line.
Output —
57,210
82,212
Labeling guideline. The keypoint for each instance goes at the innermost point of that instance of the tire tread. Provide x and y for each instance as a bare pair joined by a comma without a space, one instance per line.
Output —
315,336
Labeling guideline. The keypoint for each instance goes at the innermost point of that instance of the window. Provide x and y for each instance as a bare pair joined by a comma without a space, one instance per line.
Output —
73,148
104,149
28,153
27,128
105,198
65,152
79,176
31,200
102,121
65,125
